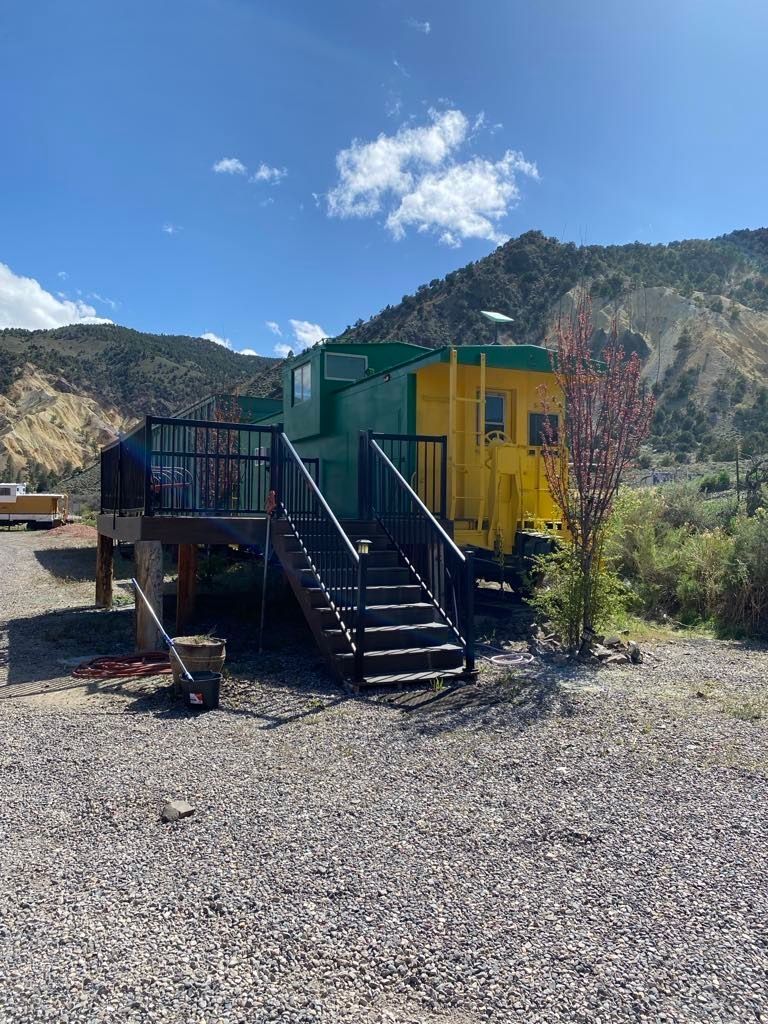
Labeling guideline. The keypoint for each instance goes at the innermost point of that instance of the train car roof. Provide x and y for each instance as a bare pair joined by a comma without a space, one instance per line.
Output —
533,358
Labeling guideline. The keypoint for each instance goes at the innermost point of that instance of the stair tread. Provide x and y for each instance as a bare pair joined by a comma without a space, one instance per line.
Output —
390,607
412,677
373,586
406,626
400,651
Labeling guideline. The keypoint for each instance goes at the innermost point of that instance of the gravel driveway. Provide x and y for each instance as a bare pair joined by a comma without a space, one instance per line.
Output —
551,847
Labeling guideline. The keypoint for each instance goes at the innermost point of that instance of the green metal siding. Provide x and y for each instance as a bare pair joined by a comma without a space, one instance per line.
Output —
370,404
251,408
328,425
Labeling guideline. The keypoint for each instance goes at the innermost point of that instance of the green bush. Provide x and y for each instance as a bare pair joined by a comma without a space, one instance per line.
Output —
716,482
693,559
745,594
559,597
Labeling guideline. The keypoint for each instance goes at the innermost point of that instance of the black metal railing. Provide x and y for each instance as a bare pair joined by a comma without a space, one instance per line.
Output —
338,567
182,467
444,571
124,474
421,459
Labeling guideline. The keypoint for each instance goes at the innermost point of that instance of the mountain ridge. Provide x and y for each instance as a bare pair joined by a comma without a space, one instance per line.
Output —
65,392
696,311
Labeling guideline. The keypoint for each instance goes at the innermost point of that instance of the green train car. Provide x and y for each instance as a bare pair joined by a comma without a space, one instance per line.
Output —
463,426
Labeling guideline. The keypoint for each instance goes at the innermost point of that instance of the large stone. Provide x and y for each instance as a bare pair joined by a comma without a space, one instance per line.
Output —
174,810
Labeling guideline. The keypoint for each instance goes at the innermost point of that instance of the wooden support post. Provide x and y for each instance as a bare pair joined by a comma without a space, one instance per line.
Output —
149,575
104,546
186,586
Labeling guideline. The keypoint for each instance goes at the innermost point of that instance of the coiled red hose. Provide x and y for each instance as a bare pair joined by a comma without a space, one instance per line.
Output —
151,663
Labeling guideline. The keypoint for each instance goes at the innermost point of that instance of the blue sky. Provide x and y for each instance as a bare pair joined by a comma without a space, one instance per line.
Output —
363,148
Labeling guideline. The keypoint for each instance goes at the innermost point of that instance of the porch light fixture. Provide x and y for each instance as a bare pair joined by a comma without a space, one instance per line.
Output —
363,547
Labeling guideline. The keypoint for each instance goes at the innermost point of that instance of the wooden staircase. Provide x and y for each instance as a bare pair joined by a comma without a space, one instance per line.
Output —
405,640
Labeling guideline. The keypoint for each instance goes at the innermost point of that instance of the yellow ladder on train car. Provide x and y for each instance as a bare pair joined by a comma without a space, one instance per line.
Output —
459,470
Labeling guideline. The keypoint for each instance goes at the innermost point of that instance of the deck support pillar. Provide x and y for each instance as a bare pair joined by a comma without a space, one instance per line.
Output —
148,556
104,572
186,586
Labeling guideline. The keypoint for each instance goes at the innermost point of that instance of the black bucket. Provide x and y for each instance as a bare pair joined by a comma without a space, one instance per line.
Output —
202,693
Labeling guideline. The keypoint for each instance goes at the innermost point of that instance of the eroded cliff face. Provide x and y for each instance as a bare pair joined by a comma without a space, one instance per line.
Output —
716,345
43,420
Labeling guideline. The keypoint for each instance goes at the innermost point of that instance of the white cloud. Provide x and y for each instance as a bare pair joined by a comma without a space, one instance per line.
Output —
271,175
392,163
307,333
273,326
63,275
420,26
248,352
463,201
217,339
104,300
316,197
393,105
415,177
172,229
25,303
396,64
229,165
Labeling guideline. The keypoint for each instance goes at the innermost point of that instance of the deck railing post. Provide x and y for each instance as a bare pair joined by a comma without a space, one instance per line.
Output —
117,509
275,464
364,476
363,547
469,611
148,466
363,482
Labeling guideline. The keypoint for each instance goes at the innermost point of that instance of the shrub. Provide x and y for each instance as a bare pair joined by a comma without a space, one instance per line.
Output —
560,594
716,482
692,558
745,593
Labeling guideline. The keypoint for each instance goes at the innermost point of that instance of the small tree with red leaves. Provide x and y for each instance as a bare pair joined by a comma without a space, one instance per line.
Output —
606,412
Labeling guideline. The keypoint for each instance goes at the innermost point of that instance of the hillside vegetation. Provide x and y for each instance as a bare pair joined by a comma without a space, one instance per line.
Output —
65,392
695,311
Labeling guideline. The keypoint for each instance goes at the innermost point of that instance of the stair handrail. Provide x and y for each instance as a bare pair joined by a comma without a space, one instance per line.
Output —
303,471
338,567
447,539
428,553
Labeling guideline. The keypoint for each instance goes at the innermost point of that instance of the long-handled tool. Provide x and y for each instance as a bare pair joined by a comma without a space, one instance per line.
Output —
264,587
269,508
166,639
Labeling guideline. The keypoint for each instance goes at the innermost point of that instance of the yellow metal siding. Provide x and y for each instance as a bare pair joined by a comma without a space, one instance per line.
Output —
495,487
33,504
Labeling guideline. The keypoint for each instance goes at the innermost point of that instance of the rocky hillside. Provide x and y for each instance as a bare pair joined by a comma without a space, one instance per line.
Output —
696,311
66,392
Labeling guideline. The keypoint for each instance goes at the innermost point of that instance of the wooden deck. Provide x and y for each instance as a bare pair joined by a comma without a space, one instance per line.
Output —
170,529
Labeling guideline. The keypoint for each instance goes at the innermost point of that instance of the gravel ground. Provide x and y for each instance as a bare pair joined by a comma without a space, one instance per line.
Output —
554,846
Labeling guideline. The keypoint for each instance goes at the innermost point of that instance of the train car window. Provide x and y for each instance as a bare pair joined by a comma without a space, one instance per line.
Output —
302,383
536,434
495,414
5,492
339,366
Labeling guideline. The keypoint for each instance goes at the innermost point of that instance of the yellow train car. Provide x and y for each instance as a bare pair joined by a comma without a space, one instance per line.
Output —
38,511
482,473
492,416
